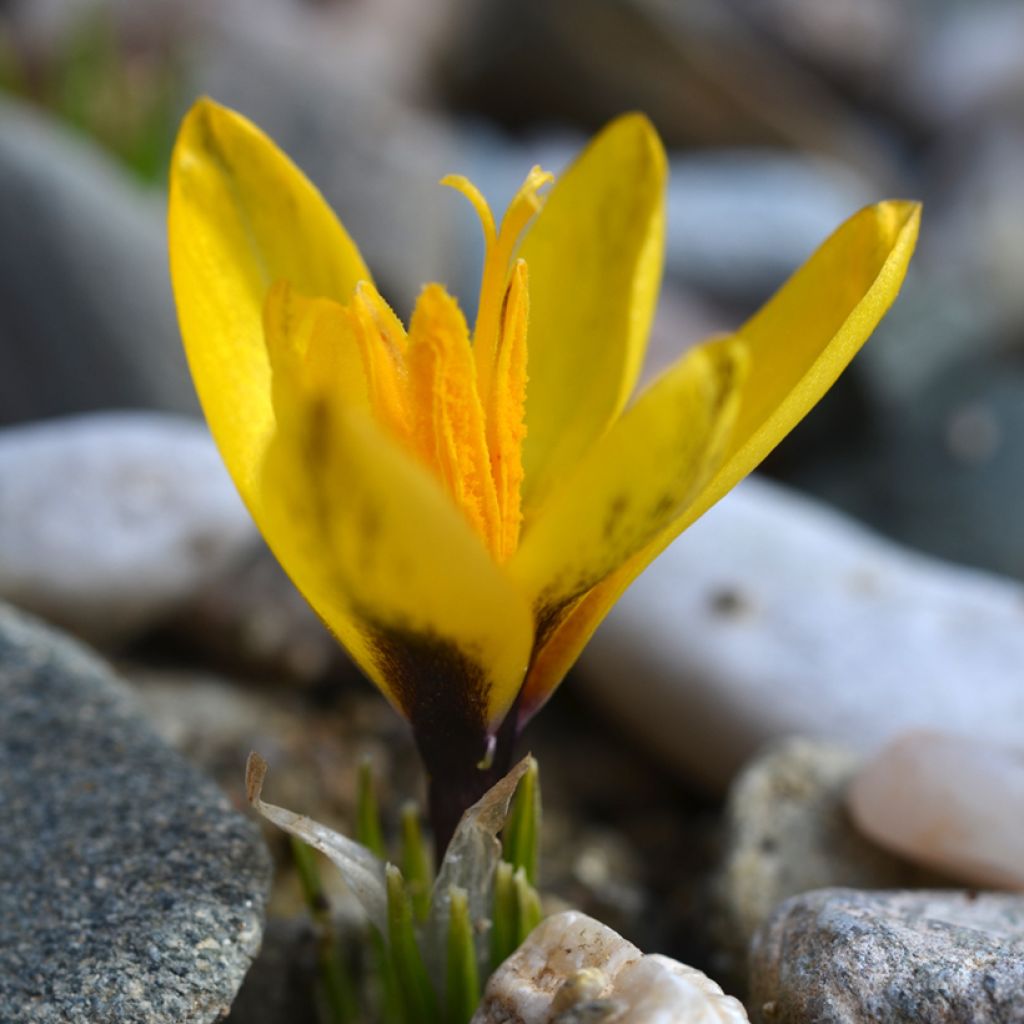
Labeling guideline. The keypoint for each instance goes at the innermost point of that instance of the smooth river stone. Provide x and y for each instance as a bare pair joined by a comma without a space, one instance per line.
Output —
774,616
110,521
949,802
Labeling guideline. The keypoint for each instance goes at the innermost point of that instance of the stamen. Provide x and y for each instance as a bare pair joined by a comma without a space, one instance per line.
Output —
382,344
447,417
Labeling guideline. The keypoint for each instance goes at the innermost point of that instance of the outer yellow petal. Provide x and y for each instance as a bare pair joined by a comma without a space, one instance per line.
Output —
799,344
806,335
594,255
242,216
633,482
390,563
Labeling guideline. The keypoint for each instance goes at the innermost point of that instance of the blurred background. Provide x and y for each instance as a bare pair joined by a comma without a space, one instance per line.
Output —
781,118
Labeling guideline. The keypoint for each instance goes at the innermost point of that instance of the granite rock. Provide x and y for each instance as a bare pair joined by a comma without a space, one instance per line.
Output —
109,521
130,889
837,956
788,832
773,616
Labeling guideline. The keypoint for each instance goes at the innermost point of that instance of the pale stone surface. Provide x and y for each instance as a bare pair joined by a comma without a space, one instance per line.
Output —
773,616
572,969
110,521
947,801
131,891
837,956
787,832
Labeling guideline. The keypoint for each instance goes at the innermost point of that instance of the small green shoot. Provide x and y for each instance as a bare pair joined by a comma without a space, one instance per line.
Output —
417,865
338,988
521,835
462,978
418,996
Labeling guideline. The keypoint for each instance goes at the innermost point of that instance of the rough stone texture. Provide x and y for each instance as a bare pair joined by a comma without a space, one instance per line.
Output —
774,616
842,957
948,802
130,890
108,522
574,970
88,318
788,833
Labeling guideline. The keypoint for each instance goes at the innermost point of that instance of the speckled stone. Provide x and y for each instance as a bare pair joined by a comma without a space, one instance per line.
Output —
130,889
839,956
787,832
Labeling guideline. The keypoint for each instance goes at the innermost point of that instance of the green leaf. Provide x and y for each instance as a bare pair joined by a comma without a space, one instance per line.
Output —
462,979
337,985
504,921
418,996
528,912
521,836
417,866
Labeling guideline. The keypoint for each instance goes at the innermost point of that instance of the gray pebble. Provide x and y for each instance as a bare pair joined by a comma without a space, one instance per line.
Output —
130,889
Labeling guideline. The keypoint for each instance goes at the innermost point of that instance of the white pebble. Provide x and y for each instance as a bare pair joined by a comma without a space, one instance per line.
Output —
574,970
949,802
110,521
774,616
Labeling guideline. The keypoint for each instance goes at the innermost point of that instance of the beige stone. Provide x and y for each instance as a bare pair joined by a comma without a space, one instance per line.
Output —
948,802
573,969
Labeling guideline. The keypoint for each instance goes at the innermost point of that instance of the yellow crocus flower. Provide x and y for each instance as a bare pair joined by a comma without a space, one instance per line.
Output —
463,507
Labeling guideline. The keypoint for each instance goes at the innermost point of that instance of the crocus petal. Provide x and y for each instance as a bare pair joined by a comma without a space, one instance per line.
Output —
390,563
594,255
242,216
633,482
799,343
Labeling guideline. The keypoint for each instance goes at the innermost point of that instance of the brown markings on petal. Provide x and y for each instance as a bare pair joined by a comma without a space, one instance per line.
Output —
613,518
443,692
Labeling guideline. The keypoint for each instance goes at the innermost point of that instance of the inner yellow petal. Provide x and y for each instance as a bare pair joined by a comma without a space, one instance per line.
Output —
506,426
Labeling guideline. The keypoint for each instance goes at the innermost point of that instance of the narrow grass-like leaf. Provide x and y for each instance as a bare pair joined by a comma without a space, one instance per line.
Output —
389,1009
521,836
528,912
505,917
368,830
338,987
418,996
462,979
417,866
